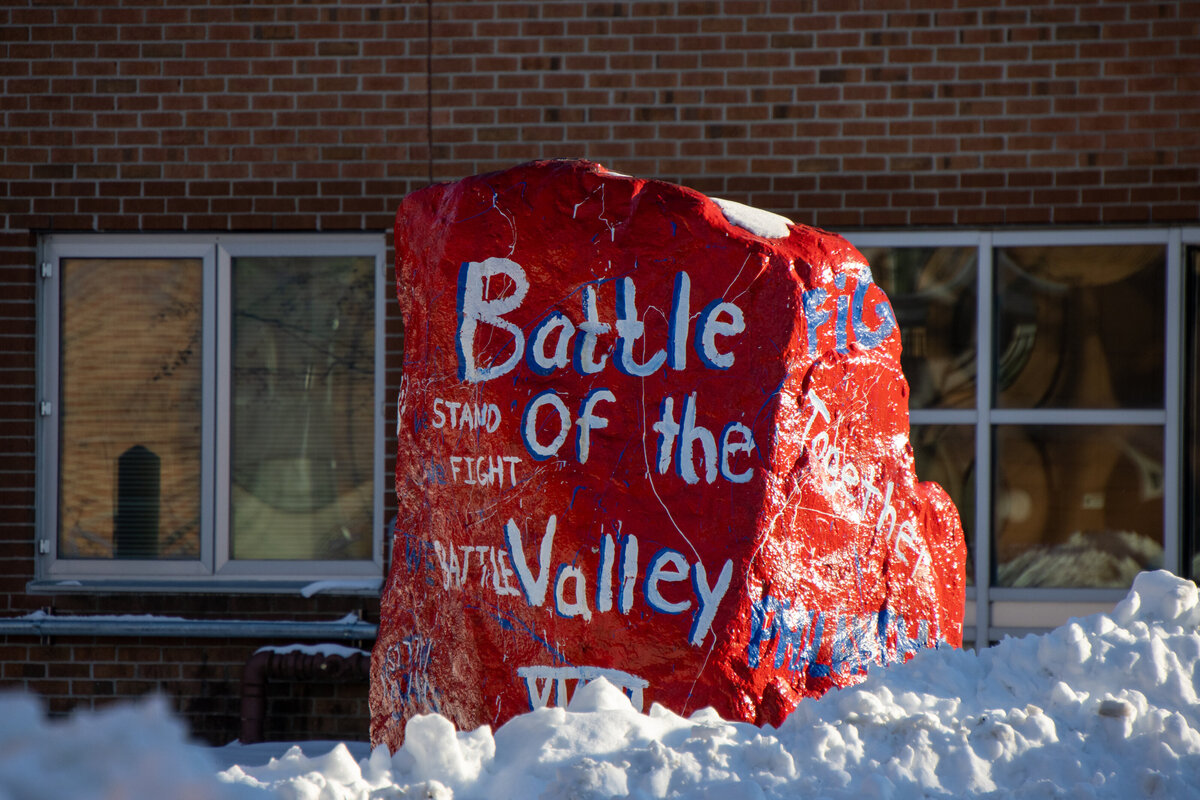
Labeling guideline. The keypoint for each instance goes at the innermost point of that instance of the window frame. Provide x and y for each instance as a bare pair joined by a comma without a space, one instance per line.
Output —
214,570
993,611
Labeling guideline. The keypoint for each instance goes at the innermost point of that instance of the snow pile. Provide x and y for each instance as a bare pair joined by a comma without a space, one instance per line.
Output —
1102,707
130,752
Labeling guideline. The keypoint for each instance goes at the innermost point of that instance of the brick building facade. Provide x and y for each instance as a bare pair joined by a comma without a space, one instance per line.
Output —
189,125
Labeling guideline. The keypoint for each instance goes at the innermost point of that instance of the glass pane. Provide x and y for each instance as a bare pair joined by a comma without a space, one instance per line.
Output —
1077,505
129,465
1080,327
932,290
303,408
945,454
1191,416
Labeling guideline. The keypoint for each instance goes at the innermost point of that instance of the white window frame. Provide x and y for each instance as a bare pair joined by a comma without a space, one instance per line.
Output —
994,611
213,570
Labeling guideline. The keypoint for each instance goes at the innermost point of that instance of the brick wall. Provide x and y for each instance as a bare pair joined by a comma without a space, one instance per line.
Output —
201,679
313,116
898,113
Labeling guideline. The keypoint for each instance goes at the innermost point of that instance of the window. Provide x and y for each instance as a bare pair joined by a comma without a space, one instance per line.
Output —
1047,371
1191,417
211,410
1079,343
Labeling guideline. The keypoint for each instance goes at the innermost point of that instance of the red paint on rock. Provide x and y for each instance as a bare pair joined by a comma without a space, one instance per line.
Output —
639,441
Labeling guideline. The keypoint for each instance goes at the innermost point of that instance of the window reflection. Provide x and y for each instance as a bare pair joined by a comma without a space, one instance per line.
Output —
1077,505
129,445
303,394
1080,327
932,290
945,454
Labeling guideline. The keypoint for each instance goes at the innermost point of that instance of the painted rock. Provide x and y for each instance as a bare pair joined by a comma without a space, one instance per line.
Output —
650,436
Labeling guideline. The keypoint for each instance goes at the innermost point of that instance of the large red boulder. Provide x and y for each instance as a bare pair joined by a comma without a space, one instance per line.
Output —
651,436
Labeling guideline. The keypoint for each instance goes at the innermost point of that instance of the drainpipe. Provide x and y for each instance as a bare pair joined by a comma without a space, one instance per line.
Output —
39,623
291,665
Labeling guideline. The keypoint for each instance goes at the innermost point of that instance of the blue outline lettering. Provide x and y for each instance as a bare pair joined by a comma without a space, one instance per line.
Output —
707,329
654,574
562,352
530,415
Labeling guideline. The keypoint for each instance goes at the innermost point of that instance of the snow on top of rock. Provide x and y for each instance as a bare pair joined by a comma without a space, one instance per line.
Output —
766,224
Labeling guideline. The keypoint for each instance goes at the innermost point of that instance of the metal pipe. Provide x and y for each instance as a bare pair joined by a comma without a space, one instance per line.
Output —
348,629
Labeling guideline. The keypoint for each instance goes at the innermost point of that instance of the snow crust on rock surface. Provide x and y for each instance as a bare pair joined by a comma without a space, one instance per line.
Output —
766,224
1103,707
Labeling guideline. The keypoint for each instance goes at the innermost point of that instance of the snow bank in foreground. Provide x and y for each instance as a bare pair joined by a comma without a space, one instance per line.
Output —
1102,707
127,752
